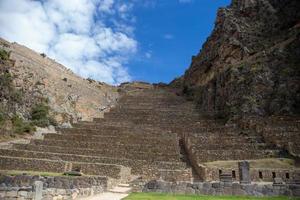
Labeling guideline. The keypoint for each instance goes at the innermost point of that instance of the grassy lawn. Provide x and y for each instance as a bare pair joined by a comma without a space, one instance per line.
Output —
157,196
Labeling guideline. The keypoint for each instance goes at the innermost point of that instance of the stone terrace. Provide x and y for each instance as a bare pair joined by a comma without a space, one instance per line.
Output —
152,133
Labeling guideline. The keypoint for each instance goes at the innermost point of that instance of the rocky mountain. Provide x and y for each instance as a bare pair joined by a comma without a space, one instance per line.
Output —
40,79
250,64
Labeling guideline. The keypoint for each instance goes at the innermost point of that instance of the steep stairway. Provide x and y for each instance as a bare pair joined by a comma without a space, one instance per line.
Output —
152,134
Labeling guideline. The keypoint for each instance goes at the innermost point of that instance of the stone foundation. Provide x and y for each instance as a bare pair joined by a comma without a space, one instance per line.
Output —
256,175
218,188
37,187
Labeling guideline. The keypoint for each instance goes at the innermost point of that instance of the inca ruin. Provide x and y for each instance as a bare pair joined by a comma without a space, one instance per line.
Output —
229,126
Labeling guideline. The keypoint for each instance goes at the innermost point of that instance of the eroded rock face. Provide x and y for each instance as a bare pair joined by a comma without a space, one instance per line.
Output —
251,61
70,97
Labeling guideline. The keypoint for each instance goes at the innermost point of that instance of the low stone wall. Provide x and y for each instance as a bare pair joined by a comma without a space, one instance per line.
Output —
112,171
137,166
108,145
167,175
256,175
106,153
124,139
218,188
38,187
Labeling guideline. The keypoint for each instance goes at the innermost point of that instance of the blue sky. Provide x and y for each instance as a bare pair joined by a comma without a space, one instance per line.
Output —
113,41
171,32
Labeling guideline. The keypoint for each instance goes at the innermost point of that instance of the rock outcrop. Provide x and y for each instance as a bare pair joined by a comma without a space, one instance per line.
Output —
250,65
70,97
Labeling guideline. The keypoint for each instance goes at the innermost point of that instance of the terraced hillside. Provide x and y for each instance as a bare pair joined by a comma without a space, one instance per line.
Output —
151,134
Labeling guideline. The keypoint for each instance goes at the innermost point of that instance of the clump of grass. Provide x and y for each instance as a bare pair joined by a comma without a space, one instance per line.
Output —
4,55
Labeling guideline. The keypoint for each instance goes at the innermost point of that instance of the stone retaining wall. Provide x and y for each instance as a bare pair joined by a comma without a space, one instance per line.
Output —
109,170
256,174
218,188
105,153
137,166
38,187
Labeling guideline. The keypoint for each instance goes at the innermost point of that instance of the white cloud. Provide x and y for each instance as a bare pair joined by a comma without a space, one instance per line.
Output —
92,37
106,6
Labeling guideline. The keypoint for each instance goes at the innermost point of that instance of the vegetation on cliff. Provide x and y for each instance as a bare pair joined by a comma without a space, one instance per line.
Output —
12,120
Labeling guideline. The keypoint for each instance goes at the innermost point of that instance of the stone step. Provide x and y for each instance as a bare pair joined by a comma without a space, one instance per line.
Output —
216,139
123,139
173,157
135,116
235,146
124,185
137,166
104,145
145,134
215,155
278,128
120,189
149,111
144,120
283,135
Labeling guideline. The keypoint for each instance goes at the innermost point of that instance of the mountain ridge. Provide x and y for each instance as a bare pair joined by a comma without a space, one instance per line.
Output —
248,65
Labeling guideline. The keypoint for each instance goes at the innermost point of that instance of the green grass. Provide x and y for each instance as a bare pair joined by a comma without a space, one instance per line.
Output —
40,173
17,172
157,196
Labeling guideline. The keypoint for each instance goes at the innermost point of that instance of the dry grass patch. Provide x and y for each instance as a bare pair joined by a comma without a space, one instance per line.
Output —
274,163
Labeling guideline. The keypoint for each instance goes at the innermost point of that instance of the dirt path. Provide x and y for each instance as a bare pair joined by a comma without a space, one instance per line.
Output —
107,196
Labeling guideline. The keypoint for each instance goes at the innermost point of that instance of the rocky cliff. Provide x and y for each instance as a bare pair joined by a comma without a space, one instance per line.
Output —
39,78
250,65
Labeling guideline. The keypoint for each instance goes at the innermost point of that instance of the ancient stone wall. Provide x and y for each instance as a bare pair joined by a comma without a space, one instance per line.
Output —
38,187
58,166
256,175
219,188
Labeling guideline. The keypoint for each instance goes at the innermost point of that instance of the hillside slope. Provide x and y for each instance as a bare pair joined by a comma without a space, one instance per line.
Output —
70,97
250,65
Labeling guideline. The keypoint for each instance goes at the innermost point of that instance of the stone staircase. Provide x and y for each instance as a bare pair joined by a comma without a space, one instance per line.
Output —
151,133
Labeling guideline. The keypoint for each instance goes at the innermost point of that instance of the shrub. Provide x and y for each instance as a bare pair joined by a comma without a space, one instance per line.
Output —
4,55
20,126
40,115
5,79
40,111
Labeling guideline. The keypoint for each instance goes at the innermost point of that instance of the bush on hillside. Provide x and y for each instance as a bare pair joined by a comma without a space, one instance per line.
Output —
4,55
40,115
20,126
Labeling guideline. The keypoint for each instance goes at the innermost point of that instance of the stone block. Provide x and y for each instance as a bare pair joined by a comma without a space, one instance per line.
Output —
22,193
58,197
278,181
2,195
237,190
244,172
216,185
11,194
38,190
